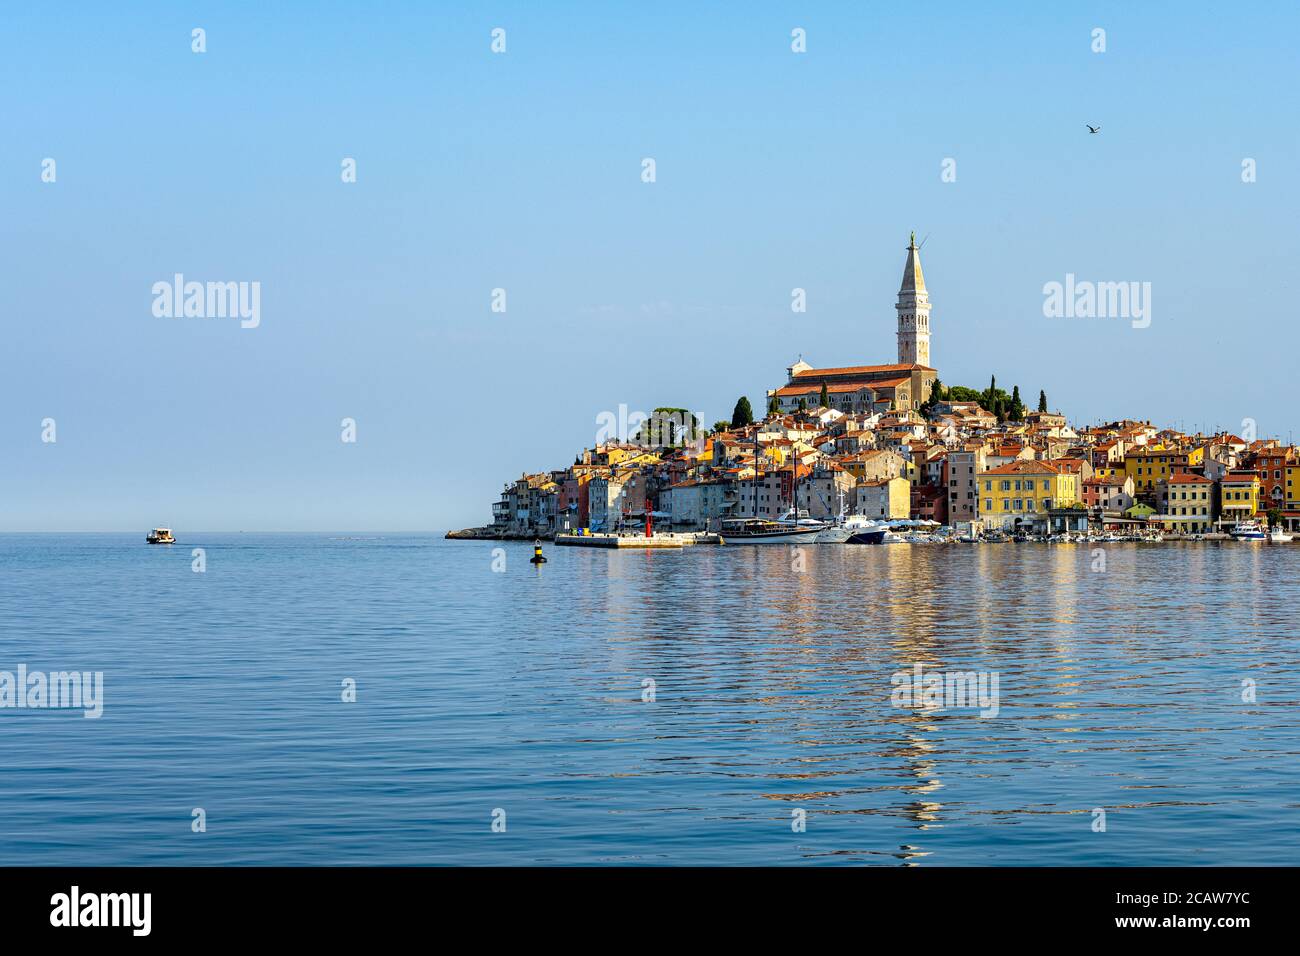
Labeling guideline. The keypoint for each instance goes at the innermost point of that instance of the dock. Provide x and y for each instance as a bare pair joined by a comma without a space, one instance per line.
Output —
634,541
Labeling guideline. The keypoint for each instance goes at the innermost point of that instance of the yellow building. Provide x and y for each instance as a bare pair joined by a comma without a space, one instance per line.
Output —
615,454
1239,496
1291,497
1023,491
1147,465
1186,504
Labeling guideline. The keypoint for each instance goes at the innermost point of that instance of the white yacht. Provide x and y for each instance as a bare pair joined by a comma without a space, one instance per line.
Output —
1248,530
846,527
1277,535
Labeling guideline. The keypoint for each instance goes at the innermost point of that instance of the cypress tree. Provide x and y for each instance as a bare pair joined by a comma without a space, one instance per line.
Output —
742,414
1017,406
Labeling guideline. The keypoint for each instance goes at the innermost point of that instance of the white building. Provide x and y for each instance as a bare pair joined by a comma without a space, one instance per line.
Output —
697,505
605,502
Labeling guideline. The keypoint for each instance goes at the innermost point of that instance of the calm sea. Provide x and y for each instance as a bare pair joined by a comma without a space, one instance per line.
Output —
517,695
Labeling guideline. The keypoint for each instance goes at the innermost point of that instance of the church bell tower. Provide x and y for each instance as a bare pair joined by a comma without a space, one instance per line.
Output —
913,312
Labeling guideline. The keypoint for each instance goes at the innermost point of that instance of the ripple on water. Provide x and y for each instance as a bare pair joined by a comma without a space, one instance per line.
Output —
523,691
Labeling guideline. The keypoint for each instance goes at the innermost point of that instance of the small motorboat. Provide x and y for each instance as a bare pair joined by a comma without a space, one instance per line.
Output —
160,536
1248,531
1277,536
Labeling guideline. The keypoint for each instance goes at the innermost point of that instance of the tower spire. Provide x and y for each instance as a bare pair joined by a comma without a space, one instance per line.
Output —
913,279
913,311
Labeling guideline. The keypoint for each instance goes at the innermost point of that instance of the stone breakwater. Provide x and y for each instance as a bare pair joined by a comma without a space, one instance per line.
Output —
491,534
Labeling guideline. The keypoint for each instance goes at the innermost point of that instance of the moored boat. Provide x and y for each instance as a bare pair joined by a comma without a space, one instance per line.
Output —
765,531
160,536
877,535
794,527
1276,535
1248,531
846,528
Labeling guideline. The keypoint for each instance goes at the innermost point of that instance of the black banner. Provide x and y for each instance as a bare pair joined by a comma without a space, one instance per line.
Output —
331,906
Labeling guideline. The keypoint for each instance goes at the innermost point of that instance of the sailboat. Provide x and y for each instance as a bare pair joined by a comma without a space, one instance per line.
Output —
791,529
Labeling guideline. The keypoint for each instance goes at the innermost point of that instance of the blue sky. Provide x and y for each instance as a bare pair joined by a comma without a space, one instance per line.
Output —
521,171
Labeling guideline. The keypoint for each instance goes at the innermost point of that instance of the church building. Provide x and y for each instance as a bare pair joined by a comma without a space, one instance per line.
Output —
875,388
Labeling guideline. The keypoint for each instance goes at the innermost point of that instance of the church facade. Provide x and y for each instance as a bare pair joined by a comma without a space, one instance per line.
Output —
874,388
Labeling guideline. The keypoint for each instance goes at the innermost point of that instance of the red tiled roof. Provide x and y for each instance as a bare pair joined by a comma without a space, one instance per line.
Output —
812,388
861,370
1024,467
889,383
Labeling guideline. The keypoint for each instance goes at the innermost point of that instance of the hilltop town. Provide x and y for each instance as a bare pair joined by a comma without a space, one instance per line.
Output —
892,442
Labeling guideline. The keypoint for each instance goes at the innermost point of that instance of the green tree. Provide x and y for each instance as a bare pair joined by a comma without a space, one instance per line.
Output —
824,400
1016,411
1274,518
1042,400
721,426
742,414
773,406
803,404
933,399
960,393
993,399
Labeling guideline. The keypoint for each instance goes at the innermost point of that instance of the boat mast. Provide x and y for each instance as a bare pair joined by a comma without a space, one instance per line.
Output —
754,480
794,482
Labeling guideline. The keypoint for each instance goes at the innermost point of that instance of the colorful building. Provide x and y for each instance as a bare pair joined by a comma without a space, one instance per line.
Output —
1147,465
1238,496
1022,492
1187,503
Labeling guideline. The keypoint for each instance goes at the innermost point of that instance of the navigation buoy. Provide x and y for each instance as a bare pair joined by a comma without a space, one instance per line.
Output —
537,553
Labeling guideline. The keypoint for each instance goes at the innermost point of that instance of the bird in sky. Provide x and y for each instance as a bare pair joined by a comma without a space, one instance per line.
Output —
1093,129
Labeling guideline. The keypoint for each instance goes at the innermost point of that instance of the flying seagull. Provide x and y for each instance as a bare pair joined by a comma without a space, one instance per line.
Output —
1093,129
